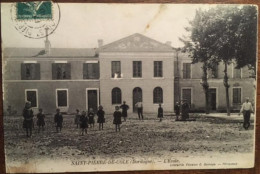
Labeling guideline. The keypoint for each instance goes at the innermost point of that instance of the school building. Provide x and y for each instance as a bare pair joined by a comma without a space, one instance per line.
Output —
132,69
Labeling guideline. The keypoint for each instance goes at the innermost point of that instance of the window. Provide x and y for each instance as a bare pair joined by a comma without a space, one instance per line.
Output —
116,96
116,69
61,71
158,69
157,95
90,71
214,71
62,98
236,95
30,71
237,73
186,95
31,95
186,70
137,69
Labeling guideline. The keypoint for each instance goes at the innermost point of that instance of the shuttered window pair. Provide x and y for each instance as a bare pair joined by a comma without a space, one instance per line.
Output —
30,71
61,71
90,71
186,70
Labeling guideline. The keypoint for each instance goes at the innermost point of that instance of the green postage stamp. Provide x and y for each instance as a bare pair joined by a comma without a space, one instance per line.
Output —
34,10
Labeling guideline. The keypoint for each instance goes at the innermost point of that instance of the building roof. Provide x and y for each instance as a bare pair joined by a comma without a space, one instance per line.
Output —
136,43
54,52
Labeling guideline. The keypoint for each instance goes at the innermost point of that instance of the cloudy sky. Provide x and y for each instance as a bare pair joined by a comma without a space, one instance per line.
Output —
81,25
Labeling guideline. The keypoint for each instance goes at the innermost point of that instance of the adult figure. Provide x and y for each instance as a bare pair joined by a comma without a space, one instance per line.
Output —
246,109
28,118
185,108
177,110
139,106
124,108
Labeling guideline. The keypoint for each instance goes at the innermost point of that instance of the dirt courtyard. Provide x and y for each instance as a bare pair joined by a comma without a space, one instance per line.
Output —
208,134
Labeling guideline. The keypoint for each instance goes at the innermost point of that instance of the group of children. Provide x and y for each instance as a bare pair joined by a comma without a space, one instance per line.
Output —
82,120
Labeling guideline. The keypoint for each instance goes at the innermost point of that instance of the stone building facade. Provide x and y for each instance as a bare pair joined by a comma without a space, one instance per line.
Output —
132,69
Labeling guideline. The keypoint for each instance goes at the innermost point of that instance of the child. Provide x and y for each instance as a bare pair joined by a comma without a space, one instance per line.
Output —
91,115
58,119
77,117
40,120
124,108
101,117
117,118
160,112
83,123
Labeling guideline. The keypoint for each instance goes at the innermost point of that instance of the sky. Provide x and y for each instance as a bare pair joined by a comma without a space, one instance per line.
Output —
81,25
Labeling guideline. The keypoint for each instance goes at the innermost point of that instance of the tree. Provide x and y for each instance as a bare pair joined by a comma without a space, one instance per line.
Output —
247,38
198,47
223,34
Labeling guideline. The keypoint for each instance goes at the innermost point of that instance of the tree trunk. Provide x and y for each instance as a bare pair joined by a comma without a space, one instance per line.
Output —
205,86
227,87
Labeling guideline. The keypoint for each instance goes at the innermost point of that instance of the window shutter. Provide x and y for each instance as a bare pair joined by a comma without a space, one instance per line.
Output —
37,71
54,71
184,71
23,71
95,70
85,74
68,70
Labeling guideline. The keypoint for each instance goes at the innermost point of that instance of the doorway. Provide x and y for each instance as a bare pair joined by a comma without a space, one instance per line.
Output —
137,96
92,99
212,99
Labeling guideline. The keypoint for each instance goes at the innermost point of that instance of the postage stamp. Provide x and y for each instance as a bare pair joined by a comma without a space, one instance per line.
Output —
35,19
34,10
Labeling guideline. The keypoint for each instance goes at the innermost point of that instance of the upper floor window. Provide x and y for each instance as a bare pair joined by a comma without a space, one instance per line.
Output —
236,95
237,73
137,69
214,71
116,69
186,70
116,96
158,69
30,71
61,71
91,70
158,95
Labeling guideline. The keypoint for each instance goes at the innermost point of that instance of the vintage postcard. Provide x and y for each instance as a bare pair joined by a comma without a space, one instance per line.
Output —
119,87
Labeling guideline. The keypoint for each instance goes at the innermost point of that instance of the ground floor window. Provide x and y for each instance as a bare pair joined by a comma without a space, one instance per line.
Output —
157,95
116,96
31,95
186,95
62,97
236,95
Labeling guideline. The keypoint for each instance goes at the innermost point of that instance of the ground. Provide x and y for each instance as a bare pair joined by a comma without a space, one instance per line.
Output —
214,133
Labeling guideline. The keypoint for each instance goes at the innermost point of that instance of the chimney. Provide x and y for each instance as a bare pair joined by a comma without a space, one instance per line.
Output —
47,43
169,43
100,43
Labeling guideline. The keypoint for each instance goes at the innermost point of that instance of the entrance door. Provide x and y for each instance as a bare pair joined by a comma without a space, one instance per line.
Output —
212,99
92,99
137,96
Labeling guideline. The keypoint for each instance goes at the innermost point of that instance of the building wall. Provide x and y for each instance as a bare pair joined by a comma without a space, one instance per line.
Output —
246,84
127,83
14,87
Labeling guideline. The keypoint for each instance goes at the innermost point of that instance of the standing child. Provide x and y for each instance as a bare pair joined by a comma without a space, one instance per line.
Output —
40,120
160,112
91,115
83,123
124,108
77,117
117,118
101,117
58,119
